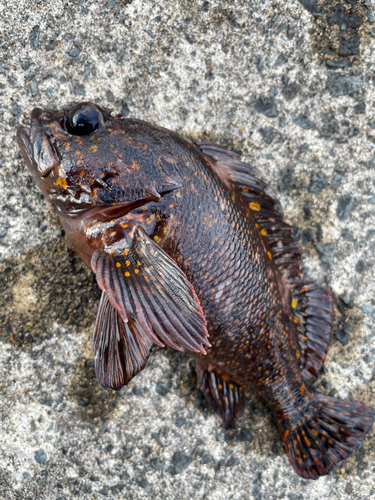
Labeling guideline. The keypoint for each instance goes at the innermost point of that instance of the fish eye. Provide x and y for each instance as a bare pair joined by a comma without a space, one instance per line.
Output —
83,119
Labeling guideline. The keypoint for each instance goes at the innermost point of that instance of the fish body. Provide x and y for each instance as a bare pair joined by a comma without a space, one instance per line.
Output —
191,250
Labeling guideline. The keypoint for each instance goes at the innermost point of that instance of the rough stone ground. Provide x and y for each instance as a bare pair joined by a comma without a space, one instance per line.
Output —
267,79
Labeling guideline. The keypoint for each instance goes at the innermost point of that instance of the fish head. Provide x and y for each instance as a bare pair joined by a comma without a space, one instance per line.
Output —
83,158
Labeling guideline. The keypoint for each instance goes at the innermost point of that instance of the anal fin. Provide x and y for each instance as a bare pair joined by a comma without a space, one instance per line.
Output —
226,397
313,307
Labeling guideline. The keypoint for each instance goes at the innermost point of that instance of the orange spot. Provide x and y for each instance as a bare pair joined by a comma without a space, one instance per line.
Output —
62,182
127,274
94,149
264,232
136,271
269,255
135,165
254,206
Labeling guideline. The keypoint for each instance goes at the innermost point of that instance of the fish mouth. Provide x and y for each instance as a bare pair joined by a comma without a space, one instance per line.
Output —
106,213
110,212
35,144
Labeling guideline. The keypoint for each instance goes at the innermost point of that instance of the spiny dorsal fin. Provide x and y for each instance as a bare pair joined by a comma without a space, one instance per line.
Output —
267,212
313,305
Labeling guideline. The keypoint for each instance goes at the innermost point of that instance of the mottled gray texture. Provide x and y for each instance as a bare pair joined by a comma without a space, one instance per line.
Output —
234,72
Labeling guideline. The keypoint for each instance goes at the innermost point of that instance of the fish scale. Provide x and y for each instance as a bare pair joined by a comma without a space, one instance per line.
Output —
191,251
221,272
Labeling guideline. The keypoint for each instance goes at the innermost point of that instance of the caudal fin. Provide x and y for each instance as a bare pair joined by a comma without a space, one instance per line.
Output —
327,434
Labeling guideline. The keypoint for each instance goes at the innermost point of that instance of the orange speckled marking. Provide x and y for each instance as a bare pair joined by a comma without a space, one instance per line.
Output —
62,182
254,206
94,149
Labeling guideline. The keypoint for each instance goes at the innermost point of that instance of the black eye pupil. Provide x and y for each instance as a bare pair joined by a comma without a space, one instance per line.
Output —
83,120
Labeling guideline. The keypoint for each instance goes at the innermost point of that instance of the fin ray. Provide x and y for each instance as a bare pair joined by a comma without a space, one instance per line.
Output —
328,432
226,397
314,312
143,283
121,350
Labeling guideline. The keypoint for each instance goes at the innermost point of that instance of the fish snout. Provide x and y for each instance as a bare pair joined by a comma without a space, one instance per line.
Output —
36,147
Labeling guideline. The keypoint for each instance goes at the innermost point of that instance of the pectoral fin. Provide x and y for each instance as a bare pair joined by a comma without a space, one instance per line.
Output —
121,349
150,291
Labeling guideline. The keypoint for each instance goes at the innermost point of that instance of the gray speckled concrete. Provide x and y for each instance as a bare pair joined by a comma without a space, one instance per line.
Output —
255,77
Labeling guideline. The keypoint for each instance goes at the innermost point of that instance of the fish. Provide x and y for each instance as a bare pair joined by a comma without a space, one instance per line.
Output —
190,249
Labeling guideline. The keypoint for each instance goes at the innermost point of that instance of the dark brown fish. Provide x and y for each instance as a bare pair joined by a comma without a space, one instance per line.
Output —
191,251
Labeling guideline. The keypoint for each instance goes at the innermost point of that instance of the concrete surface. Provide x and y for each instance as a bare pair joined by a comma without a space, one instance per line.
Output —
292,90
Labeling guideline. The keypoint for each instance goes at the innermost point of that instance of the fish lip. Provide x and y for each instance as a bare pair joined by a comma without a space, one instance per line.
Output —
35,144
24,143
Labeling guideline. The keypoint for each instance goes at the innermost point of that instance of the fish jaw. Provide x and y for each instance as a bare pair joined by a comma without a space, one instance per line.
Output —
36,146
38,150
24,143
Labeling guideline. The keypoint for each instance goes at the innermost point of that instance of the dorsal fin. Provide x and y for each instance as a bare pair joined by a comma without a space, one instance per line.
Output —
277,234
313,305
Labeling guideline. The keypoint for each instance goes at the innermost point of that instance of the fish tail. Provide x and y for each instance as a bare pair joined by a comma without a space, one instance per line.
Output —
329,431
